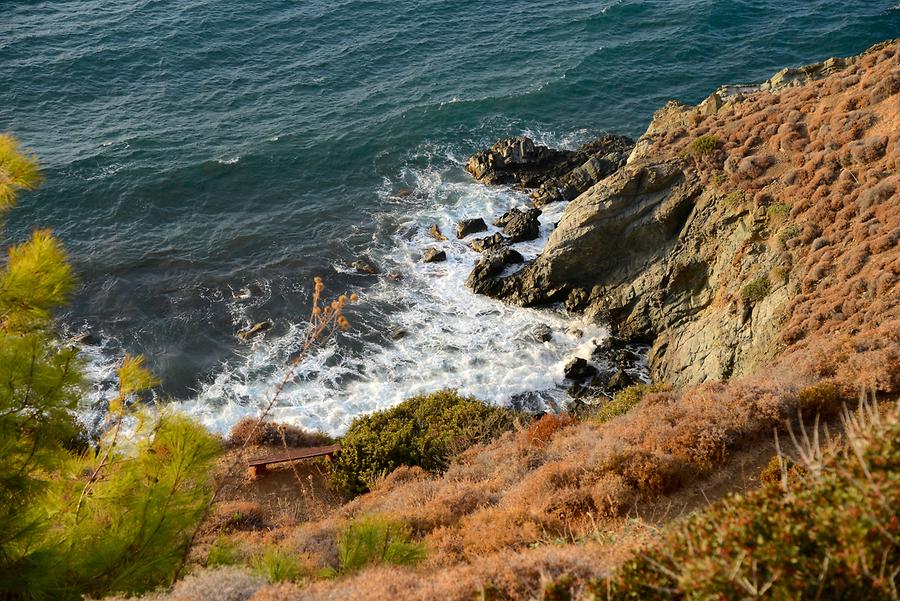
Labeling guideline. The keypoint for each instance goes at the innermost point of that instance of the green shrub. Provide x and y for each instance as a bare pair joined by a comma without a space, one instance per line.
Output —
757,289
735,199
778,210
426,431
278,565
832,535
625,399
823,398
702,146
376,540
791,231
223,552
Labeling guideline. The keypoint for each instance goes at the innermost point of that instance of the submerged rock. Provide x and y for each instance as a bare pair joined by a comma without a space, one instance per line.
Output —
254,330
434,255
467,227
363,265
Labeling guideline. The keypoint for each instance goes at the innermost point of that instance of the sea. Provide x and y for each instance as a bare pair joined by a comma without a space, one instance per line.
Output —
206,159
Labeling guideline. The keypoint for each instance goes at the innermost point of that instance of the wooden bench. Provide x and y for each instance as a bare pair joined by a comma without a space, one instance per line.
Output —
258,466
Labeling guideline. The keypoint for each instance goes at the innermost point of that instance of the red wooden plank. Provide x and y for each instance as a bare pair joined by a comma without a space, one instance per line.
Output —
306,453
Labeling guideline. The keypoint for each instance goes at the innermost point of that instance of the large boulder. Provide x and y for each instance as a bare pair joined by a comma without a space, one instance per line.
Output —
434,255
495,240
520,225
491,264
467,227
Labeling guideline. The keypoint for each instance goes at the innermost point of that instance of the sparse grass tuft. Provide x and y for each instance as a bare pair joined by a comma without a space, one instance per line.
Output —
778,211
735,199
223,552
377,540
278,565
791,231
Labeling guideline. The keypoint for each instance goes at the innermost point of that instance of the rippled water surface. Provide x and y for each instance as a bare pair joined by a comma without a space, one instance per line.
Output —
205,159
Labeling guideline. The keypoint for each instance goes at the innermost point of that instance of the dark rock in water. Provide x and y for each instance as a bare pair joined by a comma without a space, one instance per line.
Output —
394,276
434,255
467,227
542,333
603,157
404,192
86,338
519,225
365,266
491,264
436,233
254,330
619,380
398,333
519,161
579,369
488,242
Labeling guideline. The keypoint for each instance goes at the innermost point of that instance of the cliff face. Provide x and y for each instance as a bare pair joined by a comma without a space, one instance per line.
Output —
762,221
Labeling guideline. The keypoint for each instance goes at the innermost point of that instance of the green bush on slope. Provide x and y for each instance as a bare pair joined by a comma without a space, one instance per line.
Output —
425,431
834,534
376,540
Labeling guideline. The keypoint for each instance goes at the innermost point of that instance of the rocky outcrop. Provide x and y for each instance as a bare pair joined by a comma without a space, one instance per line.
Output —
434,255
520,225
709,243
607,154
520,162
495,240
467,227
491,264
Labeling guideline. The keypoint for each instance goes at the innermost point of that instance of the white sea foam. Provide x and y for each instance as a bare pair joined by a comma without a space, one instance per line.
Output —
452,338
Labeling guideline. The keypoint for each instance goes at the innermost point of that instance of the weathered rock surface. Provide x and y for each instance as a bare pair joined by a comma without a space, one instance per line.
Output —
491,264
520,162
434,255
608,153
579,369
488,242
467,227
520,225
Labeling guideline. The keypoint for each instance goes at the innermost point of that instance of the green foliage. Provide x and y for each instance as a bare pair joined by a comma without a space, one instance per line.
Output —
822,398
834,534
778,211
625,399
278,565
735,199
426,431
115,518
702,146
18,171
223,552
791,231
757,289
377,540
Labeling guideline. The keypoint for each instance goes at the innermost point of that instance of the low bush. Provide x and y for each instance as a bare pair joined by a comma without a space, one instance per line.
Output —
831,535
278,565
250,431
426,431
778,211
702,146
757,289
823,398
377,540
541,431
625,399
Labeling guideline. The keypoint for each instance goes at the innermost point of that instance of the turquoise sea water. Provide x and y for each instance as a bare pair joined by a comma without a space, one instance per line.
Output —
206,158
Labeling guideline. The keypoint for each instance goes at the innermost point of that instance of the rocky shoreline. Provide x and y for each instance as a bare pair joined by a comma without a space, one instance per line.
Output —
665,247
